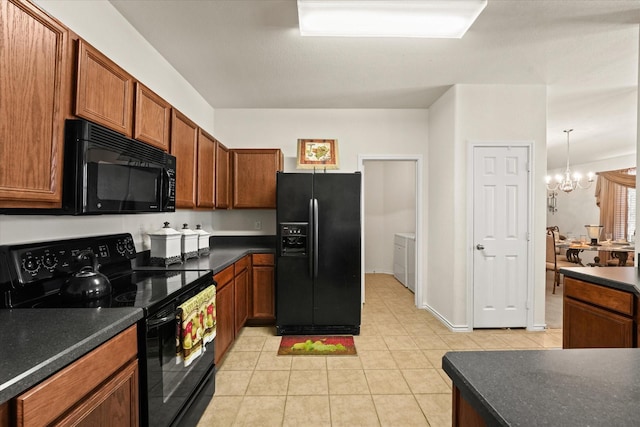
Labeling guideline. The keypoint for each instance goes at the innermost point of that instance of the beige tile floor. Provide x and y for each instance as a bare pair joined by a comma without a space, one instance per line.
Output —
395,380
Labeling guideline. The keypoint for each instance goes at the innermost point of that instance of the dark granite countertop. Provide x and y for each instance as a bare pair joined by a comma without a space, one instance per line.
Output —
581,387
623,278
36,343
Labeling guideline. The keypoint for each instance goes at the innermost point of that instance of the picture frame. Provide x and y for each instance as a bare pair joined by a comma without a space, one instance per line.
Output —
317,153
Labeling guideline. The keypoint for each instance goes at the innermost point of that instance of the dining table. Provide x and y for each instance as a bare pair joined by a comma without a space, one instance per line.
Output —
619,250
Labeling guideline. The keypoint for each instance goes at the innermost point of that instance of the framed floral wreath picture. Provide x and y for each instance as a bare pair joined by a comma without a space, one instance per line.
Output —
317,153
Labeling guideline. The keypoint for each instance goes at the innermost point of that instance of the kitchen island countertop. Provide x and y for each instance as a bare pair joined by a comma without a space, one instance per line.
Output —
36,343
579,387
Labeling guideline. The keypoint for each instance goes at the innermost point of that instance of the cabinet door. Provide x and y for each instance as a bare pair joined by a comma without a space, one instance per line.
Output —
34,57
225,317
152,118
184,140
82,381
241,293
263,293
222,176
206,170
262,301
104,91
115,403
254,177
588,326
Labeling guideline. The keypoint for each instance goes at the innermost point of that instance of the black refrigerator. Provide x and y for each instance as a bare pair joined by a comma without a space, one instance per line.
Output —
318,265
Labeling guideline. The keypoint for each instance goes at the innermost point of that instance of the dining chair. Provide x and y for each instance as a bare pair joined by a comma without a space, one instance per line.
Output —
614,261
553,263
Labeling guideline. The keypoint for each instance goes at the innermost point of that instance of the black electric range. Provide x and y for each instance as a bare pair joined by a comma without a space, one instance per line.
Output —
33,274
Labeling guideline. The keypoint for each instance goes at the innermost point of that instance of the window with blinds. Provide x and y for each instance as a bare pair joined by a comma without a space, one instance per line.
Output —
624,212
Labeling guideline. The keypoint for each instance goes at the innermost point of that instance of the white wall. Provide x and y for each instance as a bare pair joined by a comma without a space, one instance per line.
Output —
357,131
390,207
477,113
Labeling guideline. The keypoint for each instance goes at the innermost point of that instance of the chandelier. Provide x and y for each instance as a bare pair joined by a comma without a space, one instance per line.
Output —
569,182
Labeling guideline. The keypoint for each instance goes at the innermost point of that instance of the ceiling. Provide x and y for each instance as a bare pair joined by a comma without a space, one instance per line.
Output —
249,54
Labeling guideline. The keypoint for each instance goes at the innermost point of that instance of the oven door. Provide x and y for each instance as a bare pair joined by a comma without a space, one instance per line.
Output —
171,387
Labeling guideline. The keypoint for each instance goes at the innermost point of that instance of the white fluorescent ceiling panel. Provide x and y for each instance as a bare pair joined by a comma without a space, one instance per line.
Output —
388,18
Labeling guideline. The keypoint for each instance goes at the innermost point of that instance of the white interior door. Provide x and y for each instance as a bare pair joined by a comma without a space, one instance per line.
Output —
500,231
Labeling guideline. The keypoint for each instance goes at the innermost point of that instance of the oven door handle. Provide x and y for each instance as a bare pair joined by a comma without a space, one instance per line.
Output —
155,323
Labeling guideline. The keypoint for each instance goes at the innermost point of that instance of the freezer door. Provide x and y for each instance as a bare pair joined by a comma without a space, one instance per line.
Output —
294,284
337,292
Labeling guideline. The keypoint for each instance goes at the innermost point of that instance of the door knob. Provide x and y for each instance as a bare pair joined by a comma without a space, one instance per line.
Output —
479,247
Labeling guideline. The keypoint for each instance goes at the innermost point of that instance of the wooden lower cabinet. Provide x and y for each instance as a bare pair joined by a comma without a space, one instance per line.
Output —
100,388
463,413
232,303
225,312
262,301
5,420
596,316
241,296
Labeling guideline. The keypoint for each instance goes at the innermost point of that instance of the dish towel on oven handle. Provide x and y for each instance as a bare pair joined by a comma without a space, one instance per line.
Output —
196,325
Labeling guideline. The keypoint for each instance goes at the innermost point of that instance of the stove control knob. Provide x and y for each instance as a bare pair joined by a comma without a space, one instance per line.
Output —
120,248
50,261
30,264
130,247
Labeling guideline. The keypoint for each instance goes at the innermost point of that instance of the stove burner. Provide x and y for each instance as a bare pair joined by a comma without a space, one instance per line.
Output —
126,297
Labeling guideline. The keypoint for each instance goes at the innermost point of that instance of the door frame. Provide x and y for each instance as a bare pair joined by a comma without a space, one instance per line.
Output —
529,304
418,159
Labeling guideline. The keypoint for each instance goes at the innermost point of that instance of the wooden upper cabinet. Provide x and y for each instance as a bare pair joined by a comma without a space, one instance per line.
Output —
254,177
222,176
206,170
34,60
184,142
104,91
152,118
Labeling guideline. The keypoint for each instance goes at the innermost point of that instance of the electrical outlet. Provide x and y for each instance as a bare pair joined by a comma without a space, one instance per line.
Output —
257,225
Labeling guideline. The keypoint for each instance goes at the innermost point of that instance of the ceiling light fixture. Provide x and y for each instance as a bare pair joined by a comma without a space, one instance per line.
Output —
388,18
569,182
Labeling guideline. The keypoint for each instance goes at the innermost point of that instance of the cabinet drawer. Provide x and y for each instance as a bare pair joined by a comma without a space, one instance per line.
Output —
224,277
612,299
263,259
46,401
242,264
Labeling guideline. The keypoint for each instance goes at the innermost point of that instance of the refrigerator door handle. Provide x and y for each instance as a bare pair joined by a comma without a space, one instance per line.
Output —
310,237
315,238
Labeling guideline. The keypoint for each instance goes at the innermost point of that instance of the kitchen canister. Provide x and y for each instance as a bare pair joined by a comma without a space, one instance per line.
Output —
165,246
189,243
203,241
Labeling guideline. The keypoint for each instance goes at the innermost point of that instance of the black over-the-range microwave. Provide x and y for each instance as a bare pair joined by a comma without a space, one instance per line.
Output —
108,173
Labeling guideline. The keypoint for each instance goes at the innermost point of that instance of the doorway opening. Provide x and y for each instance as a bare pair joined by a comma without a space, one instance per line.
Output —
391,203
